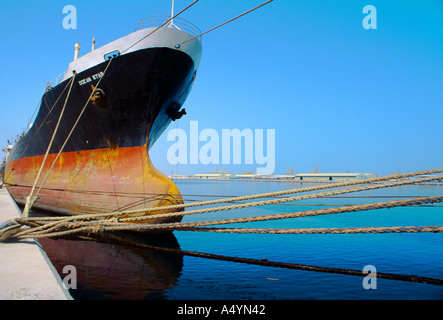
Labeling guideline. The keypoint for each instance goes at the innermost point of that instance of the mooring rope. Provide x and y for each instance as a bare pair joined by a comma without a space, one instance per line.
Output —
236,206
76,227
374,230
59,221
73,227
279,216
38,129
75,124
285,192
275,264
231,207
222,24
281,200
31,198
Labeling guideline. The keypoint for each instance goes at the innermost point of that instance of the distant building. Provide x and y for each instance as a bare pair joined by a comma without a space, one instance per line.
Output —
281,177
213,176
307,177
245,176
332,176
178,177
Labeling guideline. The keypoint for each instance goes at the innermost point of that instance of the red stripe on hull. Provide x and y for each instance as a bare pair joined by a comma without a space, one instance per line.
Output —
93,181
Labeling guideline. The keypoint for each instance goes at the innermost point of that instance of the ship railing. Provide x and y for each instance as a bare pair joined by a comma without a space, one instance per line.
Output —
177,23
51,84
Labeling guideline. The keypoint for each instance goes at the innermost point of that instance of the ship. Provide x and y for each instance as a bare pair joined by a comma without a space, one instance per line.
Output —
88,147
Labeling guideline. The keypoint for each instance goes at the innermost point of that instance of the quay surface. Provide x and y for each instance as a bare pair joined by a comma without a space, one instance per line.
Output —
26,273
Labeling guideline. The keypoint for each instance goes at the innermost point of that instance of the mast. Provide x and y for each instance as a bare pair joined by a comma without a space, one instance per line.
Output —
171,23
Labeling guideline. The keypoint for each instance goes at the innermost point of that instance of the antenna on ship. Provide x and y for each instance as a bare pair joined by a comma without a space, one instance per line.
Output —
171,24
95,27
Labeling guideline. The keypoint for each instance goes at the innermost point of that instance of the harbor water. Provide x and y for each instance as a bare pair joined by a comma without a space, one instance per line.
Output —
111,271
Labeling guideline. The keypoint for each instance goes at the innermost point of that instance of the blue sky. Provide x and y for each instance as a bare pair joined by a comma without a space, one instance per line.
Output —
337,95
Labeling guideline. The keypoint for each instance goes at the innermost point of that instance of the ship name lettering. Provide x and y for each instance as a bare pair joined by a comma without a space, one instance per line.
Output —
97,76
85,81
91,78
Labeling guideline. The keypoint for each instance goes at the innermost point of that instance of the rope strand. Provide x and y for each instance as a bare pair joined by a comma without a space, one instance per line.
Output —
81,229
220,25
31,198
275,264
116,225
291,191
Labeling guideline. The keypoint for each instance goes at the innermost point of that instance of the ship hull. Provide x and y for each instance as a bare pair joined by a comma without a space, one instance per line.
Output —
104,165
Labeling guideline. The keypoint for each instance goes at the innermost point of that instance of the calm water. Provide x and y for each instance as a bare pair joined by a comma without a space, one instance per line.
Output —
106,271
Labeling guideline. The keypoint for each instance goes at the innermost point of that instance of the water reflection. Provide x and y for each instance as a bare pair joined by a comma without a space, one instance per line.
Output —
114,271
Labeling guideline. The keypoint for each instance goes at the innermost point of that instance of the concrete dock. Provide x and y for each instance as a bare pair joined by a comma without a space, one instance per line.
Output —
26,273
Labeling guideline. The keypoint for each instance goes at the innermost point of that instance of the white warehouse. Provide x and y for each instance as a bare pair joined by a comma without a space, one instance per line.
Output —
333,176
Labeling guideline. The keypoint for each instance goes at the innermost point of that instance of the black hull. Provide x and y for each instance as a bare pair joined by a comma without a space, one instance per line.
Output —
104,165
140,92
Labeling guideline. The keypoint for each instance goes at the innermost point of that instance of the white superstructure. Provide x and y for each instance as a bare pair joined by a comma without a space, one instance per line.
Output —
152,37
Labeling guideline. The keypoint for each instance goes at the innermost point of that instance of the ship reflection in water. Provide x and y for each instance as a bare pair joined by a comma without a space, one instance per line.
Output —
114,271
